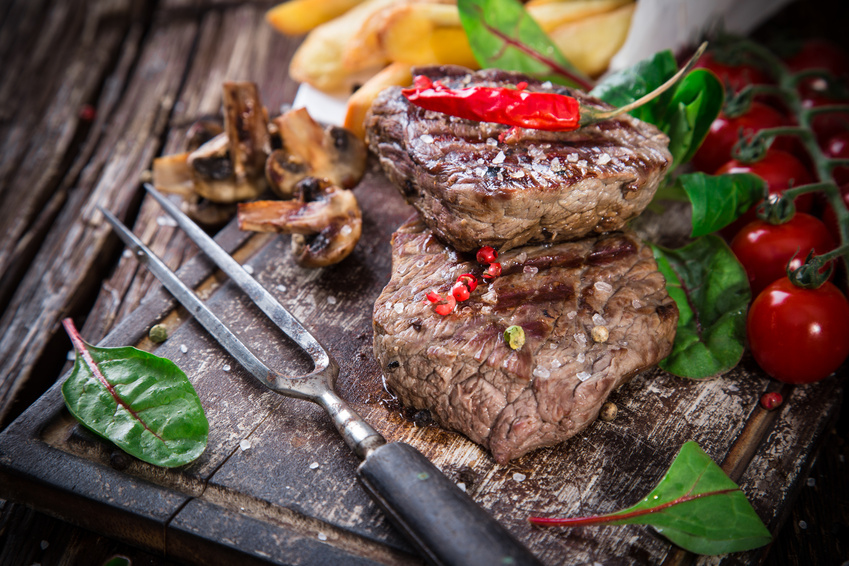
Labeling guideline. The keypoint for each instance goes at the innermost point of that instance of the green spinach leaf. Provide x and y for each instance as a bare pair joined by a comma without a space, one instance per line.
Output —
712,292
694,106
503,35
625,86
718,200
695,505
143,403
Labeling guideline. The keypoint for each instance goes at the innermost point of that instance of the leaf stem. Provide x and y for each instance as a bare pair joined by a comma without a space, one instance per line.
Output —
609,518
81,347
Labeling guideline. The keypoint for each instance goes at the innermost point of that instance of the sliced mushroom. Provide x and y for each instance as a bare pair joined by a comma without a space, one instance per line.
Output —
226,166
311,150
208,214
325,220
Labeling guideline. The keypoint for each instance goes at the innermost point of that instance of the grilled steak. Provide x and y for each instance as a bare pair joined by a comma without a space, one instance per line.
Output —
473,190
511,401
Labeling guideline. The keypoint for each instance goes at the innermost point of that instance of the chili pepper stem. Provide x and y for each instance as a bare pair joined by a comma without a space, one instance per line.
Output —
591,116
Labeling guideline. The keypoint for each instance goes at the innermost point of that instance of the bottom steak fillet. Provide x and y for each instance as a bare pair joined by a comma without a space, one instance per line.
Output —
459,366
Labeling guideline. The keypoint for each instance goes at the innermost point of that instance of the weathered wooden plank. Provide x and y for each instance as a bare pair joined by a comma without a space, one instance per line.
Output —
81,243
50,75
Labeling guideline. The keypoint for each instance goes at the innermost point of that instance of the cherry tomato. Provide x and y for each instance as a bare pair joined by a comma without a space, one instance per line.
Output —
780,170
827,125
799,335
829,218
765,249
724,133
819,54
731,75
838,147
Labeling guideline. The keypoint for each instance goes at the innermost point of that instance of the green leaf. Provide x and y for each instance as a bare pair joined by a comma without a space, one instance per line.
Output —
695,506
503,35
712,292
718,200
694,106
143,403
625,86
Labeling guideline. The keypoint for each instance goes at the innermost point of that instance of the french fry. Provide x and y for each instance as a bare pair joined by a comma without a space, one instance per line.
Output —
297,17
590,43
319,59
395,74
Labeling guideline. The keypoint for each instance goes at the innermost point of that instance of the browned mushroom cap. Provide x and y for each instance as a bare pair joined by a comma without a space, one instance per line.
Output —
326,222
311,150
246,126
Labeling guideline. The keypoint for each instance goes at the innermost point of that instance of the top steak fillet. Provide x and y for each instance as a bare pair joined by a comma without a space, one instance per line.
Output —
473,190
459,366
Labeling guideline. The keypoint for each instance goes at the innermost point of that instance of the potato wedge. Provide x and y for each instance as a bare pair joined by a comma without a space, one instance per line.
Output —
590,43
554,14
422,34
319,59
396,74
297,17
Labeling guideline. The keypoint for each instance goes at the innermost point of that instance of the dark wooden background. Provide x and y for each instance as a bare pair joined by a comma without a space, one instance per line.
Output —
90,92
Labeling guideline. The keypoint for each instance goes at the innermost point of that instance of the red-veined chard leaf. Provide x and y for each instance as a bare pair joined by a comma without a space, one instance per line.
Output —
718,200
503,35
712,292
695,505
144,404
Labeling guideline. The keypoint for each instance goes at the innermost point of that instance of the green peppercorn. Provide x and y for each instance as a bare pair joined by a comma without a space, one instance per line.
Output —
515,337
158,333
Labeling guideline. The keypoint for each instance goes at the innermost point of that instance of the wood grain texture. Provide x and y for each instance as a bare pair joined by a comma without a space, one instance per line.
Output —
150,69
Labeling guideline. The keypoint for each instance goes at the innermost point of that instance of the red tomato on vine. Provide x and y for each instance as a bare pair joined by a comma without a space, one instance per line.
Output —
724,133
731,75
781,170
799,335
765,249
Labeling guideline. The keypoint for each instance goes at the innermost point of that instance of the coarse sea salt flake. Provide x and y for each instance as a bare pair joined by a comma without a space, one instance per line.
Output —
184,348
572,157
462,487
598,320
530,270
583,375
314,466
321,536
571,315
540,371
517,173
636,304
282,288
604,159
226,367
346,230
580,338
331,300
603,287
580,358
427,138
519,477
245,444
492,142
555,363
399,308
499,158
556,166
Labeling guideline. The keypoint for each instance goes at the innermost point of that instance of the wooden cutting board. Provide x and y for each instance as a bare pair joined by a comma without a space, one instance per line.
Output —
277,484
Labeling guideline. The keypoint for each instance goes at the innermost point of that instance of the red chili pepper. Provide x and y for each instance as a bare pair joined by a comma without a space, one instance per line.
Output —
510,106
486,255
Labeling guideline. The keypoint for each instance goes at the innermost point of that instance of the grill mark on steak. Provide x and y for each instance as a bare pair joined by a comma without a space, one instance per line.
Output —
459,367
548,187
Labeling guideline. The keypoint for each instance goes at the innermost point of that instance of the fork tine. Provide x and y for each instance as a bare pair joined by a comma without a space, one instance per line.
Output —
290,325
188,299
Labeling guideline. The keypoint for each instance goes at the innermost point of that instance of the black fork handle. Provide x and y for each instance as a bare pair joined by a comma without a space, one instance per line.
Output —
446,525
